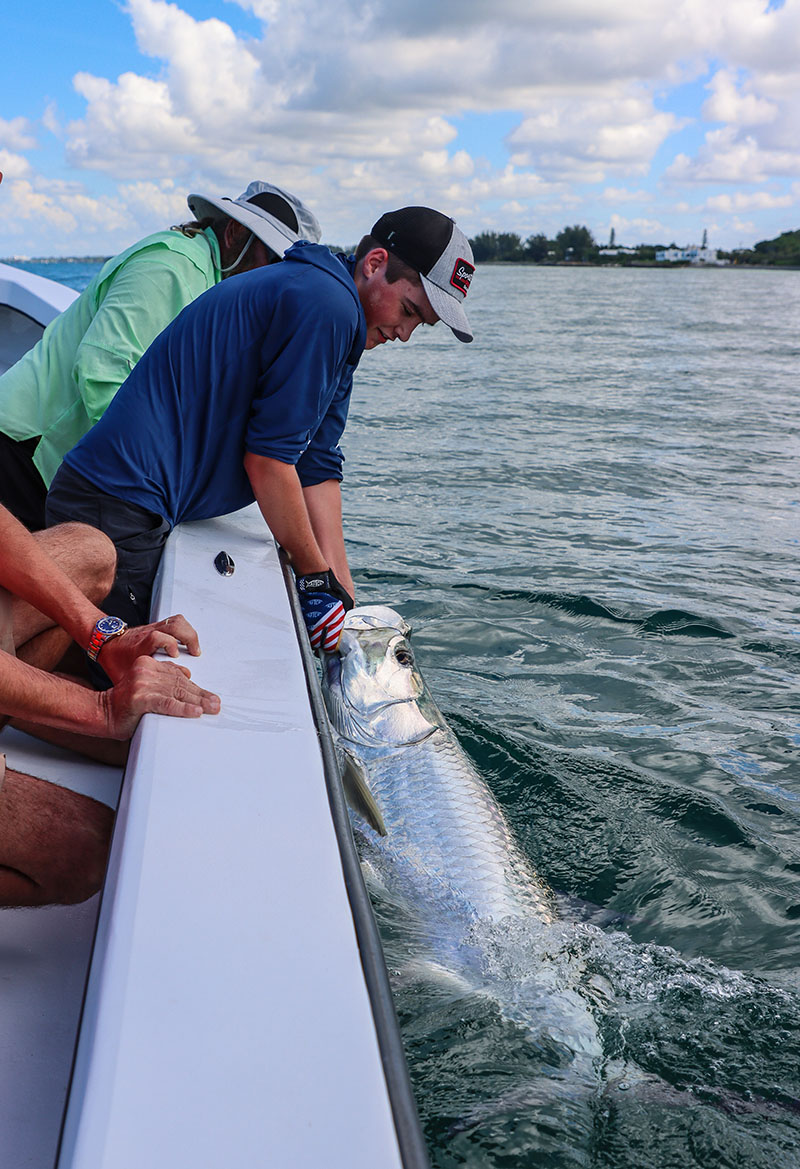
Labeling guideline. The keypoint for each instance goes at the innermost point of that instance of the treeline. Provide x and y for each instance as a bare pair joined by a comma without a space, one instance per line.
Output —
784,251
572,243
577,244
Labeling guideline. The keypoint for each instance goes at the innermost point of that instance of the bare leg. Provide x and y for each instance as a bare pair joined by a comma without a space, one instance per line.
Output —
110,751
46,650
86,555
53,842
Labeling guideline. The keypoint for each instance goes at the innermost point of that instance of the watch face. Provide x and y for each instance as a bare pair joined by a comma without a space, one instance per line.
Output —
108,625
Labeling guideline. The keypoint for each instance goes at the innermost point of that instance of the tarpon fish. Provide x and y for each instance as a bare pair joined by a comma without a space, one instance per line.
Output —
439,843
438,839
436,812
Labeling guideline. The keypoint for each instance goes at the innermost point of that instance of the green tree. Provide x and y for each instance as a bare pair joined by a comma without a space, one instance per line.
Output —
491,245
537,247
509,246
783,250
484,246
575,243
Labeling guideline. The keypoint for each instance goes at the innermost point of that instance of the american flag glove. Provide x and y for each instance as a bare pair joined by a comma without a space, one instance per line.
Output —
323,611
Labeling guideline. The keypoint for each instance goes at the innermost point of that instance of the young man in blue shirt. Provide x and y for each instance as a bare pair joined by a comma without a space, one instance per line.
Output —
245,396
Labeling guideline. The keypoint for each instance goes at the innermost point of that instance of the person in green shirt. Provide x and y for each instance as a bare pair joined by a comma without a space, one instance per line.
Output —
54,394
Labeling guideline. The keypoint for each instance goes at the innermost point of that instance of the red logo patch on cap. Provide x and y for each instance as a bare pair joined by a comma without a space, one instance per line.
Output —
462,275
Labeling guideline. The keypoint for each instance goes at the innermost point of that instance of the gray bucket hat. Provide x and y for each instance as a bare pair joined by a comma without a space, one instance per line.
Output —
274,216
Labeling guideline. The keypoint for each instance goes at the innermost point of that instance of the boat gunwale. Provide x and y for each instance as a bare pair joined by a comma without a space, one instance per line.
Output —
413,1148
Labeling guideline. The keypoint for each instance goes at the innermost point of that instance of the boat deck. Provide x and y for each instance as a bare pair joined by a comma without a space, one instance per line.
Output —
231,1015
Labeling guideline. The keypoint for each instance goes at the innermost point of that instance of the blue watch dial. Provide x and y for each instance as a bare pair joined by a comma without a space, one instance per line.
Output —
108,625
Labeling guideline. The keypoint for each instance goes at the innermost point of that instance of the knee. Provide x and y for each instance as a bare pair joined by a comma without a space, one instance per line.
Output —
98,559
80,869
53,842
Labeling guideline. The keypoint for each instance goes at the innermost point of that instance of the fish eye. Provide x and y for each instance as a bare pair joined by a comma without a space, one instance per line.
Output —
404,656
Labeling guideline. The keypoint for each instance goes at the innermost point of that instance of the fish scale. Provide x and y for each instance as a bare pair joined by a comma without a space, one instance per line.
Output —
442,821
431,784
447,851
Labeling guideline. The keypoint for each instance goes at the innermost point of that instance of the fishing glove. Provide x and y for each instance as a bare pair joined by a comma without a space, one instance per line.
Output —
324,603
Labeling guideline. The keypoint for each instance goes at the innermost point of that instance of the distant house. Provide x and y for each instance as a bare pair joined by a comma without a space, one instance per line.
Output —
617,251
691,255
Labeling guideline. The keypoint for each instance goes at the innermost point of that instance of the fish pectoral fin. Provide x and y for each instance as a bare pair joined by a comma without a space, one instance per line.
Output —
359,797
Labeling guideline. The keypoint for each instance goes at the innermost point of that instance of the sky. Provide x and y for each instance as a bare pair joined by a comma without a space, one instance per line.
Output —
661,119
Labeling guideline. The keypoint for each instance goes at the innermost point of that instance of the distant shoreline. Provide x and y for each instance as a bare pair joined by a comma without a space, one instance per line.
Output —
663,266
54,259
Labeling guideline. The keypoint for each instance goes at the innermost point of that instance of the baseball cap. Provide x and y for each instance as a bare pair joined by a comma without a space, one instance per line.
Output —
432,244
275,216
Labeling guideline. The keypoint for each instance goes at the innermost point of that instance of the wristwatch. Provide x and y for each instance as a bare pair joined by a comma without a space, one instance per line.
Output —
104,630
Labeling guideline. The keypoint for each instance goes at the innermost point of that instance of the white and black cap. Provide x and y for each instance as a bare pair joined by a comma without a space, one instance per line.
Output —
274,216
431,244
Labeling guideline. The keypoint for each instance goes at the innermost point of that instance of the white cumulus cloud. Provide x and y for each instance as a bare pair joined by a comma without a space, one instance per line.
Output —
366,104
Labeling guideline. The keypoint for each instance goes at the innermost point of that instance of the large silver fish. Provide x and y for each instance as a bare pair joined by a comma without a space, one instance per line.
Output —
439,816
439,841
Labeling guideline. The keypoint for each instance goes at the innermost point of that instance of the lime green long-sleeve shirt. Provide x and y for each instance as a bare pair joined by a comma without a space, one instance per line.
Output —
64,384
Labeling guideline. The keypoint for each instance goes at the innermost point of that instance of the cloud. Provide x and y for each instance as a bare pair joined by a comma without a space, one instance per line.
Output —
14,166
574,138
727,156
126,125
15,134
728,103
624,195
638,228
23,202
753,201
362,105
83,222
377,78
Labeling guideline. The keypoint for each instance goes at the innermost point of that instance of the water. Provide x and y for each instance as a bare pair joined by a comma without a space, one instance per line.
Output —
591,516
74,273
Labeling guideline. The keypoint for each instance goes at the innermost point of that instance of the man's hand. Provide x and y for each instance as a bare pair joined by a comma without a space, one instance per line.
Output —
323,603
119,654
151,687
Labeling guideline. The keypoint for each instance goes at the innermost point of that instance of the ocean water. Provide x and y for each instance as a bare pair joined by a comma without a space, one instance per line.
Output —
74,273
591,517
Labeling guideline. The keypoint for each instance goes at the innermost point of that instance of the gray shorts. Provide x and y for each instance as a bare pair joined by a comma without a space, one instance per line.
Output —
138,535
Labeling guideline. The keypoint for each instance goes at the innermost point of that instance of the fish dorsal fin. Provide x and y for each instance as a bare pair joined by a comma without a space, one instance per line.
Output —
359,797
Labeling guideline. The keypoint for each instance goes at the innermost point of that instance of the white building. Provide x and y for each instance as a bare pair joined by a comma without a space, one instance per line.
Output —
691,255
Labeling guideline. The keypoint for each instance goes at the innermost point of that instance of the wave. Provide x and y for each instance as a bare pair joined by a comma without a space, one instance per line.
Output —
663,621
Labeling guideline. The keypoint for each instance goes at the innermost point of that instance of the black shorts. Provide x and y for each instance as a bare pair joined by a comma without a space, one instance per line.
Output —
22,489
138,535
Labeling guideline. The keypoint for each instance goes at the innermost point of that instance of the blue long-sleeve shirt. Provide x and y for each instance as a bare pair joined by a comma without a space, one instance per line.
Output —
261,363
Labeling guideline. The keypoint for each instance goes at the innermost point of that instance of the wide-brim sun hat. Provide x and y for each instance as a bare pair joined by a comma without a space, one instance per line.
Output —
274,216
432,244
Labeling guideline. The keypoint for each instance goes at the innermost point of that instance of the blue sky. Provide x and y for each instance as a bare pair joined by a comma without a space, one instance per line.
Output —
659,118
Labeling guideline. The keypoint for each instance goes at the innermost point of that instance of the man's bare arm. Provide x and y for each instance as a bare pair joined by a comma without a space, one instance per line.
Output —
324,504
279,495
30,573
149,687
